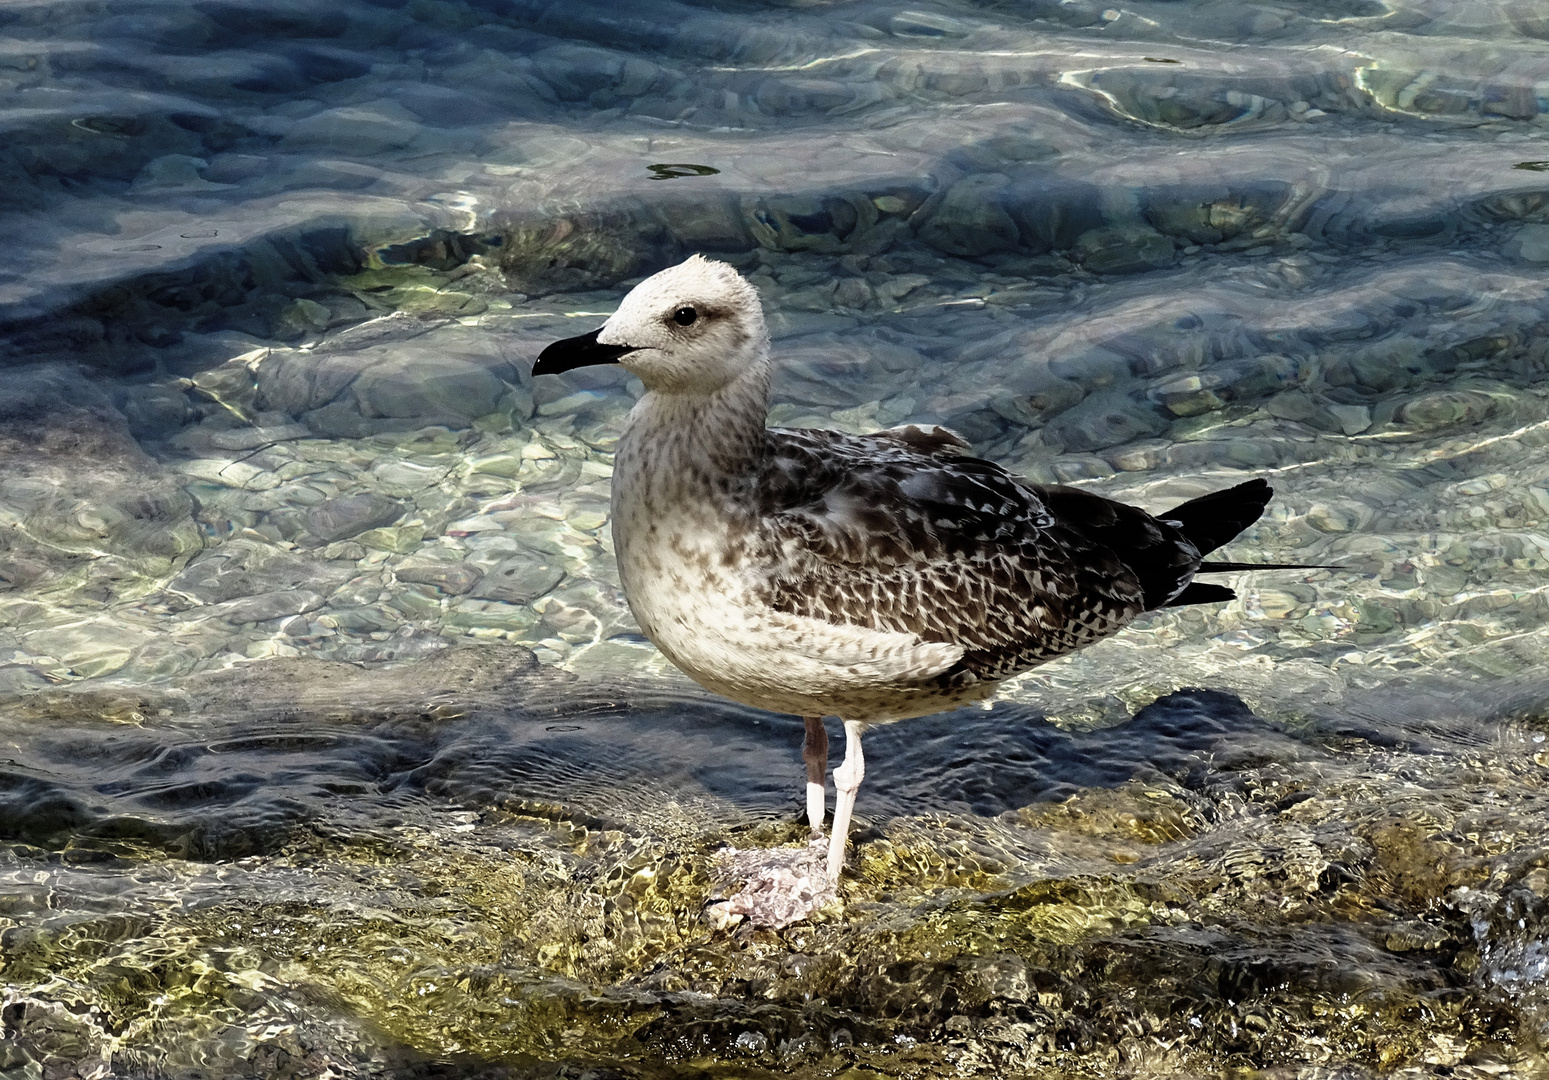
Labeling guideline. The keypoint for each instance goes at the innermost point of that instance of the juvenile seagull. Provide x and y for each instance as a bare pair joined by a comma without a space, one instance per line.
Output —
873,577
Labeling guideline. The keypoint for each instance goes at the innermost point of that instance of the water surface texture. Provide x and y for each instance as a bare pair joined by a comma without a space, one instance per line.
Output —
330,747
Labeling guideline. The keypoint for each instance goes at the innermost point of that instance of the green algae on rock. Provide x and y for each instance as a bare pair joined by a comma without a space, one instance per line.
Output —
1263,899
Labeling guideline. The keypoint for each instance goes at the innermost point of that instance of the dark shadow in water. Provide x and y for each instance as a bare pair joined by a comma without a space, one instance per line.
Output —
991,761
133,322
246,786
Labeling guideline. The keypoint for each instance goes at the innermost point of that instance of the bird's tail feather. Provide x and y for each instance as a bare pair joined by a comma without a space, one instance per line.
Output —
1214,519
1210,566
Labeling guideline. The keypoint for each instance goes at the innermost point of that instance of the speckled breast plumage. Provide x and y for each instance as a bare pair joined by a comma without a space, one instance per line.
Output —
892,536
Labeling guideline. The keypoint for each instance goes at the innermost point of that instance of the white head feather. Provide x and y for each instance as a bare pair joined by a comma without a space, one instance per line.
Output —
694,328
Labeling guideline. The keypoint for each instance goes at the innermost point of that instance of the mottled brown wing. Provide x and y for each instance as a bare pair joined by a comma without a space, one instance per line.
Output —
901,534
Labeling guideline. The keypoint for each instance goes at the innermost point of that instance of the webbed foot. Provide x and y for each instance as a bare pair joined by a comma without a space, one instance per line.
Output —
781,885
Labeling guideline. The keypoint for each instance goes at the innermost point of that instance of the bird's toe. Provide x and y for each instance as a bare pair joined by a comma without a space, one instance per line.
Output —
781,886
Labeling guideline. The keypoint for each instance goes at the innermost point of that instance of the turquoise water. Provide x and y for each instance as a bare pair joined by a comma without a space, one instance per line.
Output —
332,748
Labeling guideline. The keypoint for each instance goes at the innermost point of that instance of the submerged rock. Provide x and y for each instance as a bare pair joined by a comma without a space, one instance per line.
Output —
263,607
454,579
246,567
1124,250
713,223
1439,409
436,386
969,220
518,581
803,223
350,515
349,384
1102,420
1530,243
584,251
365,129
85,650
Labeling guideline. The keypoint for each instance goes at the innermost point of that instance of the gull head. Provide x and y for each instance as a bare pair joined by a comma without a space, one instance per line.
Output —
693,328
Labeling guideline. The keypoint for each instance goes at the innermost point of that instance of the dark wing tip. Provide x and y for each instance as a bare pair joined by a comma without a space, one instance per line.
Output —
1214,567
1215,519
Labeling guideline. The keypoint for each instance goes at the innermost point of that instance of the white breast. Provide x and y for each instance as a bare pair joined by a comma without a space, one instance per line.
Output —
696,603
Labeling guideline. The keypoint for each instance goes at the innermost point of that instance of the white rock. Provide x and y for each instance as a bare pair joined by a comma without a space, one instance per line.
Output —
370,128
1353,419
1530,243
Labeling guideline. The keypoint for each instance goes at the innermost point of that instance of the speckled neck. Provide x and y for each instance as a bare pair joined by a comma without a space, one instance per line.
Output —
697,445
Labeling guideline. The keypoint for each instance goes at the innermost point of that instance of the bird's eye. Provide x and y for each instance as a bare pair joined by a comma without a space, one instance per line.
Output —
684,316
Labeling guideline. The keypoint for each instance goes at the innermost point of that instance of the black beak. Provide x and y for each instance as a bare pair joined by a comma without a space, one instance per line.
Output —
574,352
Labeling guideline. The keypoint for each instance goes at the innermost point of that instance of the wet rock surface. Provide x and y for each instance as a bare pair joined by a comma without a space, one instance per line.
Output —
350,515
464,848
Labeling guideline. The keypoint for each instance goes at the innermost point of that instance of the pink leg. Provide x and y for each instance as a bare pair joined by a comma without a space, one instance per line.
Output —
815,754
847,780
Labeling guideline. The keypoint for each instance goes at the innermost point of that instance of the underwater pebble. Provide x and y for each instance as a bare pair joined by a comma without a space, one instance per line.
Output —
1443,408
1081,467
85,650
1353,419
518,581
473,615
230,473
1124,250
454,579
305,315
576,404
1482,485
407,477
265,606
429,386
926,24
349,515
400,539
1331,519
504,464
1103,420
345,550
472,525
1530,243
969,220
1293,405
366,129
250,438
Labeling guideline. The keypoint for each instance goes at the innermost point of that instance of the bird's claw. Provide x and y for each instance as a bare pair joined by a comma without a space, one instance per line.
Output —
781,885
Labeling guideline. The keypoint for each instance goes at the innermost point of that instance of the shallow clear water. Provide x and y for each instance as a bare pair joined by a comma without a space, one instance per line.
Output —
331,748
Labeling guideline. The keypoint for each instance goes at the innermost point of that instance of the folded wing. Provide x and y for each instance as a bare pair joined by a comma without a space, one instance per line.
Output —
900,531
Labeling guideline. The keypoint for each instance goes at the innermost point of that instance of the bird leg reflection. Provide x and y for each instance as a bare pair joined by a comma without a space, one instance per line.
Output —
815,754
847,781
